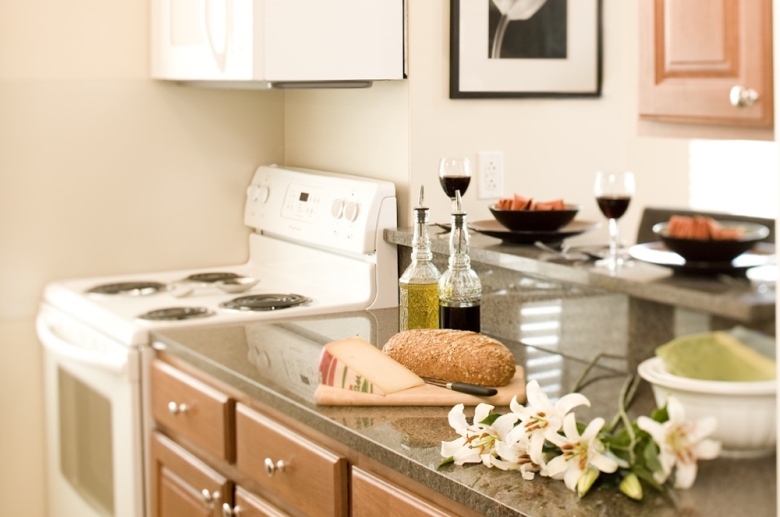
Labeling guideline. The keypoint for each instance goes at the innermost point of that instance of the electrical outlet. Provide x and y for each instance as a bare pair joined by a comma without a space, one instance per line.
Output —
490,174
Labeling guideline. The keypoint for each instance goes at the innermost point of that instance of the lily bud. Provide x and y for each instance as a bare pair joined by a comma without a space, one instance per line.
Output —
631,487
586,481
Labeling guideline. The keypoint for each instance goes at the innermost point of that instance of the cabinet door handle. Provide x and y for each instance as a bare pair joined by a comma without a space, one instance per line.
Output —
741,96
227,511
271,467
209,498
175,408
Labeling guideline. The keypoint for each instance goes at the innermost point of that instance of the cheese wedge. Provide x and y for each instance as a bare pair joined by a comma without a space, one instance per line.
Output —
337,374
357,365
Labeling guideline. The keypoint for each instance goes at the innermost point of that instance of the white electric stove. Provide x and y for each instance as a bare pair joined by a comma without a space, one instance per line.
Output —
316,247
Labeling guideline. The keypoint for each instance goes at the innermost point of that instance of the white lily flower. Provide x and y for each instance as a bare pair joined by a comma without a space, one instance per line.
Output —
681,443
578,452
511,10
477,442
519,9
541,418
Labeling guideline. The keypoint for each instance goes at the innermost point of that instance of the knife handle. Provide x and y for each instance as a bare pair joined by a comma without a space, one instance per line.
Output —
472,389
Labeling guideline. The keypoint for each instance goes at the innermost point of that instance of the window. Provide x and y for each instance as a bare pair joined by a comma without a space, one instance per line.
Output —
735,176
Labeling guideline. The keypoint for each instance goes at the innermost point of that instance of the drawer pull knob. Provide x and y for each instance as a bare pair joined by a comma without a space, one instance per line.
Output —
271,467
175,408
740,97
209,498
227,511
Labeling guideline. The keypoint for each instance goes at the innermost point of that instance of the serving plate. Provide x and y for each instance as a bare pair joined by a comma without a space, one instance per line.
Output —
493,228
657,253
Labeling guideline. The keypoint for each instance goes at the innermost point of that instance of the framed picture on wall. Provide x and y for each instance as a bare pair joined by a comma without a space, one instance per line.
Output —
525,48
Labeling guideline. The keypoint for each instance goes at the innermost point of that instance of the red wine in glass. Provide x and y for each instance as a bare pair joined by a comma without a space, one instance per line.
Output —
613,207
613,191
452,183
454,175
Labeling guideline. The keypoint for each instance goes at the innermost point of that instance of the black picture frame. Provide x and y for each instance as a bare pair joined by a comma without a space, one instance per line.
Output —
574,71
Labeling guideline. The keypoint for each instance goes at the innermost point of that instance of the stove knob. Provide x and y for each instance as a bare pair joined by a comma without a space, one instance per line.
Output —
257,193
262,193
337,208
351,211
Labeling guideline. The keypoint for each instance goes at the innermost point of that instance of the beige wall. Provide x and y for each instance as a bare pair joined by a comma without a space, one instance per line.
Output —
551,146
103,171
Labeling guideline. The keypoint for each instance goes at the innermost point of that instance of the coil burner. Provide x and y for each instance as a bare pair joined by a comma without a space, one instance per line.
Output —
176,314
265,302
210,278
128,289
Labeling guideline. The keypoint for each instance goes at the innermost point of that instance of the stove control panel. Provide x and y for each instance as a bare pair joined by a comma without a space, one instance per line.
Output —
332,210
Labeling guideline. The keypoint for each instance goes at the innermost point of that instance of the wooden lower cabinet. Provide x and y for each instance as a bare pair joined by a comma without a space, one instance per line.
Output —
250,505
372,496
222,458
304,476
182,485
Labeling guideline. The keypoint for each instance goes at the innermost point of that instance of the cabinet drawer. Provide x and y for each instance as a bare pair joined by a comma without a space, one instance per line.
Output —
373,496
198,412
249,505
302,474
184,485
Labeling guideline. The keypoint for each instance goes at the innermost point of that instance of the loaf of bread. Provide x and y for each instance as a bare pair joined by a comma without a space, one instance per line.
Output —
453,355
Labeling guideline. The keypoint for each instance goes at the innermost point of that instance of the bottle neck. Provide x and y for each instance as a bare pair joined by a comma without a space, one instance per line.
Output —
421,242
459,243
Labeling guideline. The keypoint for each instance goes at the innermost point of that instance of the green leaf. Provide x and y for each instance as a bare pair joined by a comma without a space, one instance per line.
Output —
650,455
621,439
660,414
446,461
490,419
645,475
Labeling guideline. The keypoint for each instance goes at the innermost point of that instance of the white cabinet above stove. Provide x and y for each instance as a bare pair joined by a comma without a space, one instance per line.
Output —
278,43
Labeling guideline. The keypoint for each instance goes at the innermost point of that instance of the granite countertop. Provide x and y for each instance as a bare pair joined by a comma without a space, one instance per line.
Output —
726,296
276,364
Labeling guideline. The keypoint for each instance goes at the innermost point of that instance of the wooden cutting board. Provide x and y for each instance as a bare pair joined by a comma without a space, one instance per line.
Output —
427,395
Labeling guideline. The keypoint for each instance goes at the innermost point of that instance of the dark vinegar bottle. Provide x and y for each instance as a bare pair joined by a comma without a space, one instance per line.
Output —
460,291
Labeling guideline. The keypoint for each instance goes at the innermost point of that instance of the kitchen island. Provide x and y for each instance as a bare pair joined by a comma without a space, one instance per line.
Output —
273,368
660,303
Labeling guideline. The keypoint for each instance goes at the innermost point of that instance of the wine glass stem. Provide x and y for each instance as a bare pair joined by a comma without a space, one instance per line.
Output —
613,242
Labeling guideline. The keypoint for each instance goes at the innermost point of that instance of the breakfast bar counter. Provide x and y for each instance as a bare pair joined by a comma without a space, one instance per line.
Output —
274,364
660,302
720,295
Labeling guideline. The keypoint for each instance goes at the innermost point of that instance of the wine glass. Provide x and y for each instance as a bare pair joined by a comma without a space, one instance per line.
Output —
454,175
613,191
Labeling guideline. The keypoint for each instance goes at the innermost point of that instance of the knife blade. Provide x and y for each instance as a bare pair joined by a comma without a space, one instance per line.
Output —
462,387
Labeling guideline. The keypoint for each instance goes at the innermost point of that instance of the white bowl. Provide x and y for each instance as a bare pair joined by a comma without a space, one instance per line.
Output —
745,411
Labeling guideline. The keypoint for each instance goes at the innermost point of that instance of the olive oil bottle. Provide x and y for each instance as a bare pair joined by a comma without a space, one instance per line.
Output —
460,290
419,284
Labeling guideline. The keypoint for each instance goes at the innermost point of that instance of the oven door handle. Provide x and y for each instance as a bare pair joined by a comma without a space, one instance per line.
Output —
107,360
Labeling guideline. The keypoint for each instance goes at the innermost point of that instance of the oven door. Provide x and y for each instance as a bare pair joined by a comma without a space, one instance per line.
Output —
93,420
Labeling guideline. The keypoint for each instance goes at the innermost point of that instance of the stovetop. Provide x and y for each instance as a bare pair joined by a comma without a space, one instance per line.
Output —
316,247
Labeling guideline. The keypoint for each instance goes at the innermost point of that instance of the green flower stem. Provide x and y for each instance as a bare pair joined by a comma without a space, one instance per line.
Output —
627,394
579,383
622,416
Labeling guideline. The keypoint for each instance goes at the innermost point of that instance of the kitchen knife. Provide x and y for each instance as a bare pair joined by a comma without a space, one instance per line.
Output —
462,387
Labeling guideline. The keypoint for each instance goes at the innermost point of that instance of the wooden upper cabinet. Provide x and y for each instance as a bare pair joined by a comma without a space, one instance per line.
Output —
694,52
